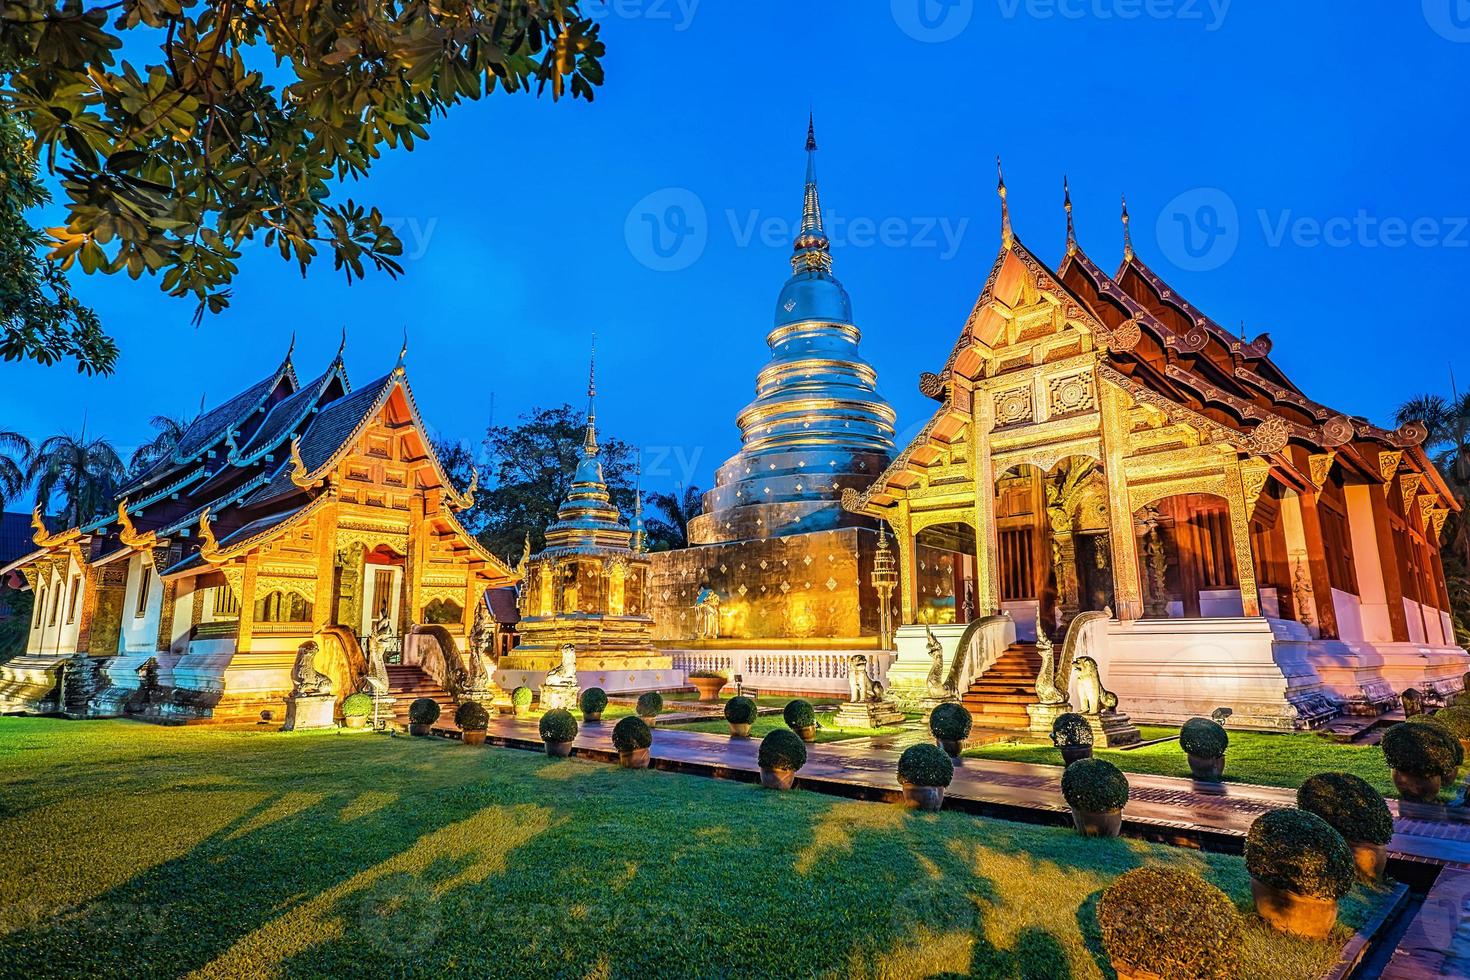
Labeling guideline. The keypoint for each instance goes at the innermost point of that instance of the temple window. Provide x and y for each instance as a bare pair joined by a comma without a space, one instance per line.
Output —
40,615
145,584
226,603
443,611
71,602
282,607
55,604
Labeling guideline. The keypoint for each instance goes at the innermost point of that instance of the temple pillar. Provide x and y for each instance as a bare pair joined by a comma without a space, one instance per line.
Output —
1316,563
165,639
472,596
1127,584
413,572
247,603
908,563
1373,594
987,543
326,556
90,581
1240,540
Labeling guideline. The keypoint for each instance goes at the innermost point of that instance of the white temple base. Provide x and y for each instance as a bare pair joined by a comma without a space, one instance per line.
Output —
28,682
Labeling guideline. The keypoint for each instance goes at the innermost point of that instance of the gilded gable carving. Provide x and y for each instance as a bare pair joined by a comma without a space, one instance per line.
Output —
1013,406
1071,394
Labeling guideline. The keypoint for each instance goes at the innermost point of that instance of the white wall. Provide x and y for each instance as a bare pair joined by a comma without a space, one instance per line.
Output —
140,633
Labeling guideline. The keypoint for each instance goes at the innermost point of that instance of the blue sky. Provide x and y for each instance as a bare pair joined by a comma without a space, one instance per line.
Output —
1296,166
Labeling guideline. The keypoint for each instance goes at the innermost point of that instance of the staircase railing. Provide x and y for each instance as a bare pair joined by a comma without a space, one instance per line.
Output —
980,646
441,659
345,658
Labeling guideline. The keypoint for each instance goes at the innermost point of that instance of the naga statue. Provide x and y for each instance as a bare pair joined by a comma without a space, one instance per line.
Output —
1047,691
1055,677
934,683
307,680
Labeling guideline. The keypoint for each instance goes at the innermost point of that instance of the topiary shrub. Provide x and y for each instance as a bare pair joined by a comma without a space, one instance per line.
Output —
1456,719
1349,805
631,733
1094,786
1422,748
1204,738
799,714
357,705
950,722
740,710
782,749
708,675
925,765
423,711
558,725
472,717
1297,851
521,697
1170,923
593,701
1070,730
650,704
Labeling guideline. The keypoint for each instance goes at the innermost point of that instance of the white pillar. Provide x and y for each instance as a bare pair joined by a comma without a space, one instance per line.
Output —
1367,565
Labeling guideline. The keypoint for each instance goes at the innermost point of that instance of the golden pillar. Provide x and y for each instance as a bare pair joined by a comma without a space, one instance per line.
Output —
1127,586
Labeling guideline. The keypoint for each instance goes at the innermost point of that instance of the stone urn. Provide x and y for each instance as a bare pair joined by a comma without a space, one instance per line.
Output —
708,687
355,721
1419,789
592,716
562,750
777,778
1286,911
473,738
1071,753
522,711
1371,859
926,798
739,730
1108,823
633,758
1206,768
952,746
808,733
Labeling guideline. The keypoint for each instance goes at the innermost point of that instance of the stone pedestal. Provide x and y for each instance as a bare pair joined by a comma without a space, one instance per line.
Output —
868,714
1112,729
558,696
309,711
1043,715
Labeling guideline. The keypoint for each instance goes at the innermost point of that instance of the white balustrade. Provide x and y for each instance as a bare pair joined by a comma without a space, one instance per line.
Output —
784,670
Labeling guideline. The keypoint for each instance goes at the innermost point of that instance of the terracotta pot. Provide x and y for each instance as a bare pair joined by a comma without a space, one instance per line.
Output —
417,730
521,712
778,778
592,717
1286,911
563,749
808,733
649,720
355,721
473,738
1106,824
633,759
1371,859
952,746
1206,768
1071,753
708,687
1420,789
927,798
739,731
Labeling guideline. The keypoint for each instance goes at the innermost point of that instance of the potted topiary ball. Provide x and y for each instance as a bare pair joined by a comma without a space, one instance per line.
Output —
1299,868
1204,741
520,701
1457,720
1071,733
422,714
1437,723
1356,811
356,709
741,713
782,752
950,724
1165,922
594,703
801,719
1420,755
924,771
631,737
472,719
558,729
708,683
1096,790
649,705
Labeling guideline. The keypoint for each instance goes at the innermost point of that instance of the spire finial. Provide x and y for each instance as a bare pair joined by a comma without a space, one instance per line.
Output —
1127,231
811,249
589,441
402,352
342,346
291,348
1006,236
811,131
1071,229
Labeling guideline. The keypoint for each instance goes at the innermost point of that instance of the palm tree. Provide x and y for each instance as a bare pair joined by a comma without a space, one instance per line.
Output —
15,454
84,472
169,431
670,529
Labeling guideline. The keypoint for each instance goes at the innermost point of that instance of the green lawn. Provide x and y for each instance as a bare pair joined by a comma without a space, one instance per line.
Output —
143,851
1253,757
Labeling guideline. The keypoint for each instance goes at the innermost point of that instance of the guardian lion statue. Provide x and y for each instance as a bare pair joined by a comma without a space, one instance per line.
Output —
860,687
559,689
1092,697
308,681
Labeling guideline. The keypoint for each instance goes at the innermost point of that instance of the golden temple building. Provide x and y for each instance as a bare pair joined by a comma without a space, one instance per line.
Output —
293,513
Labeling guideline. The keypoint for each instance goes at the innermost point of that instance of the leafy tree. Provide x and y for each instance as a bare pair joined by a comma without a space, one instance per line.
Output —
531,465
15,620
1448,446
669,530
167,433
243,118
15,454
460,464
83,472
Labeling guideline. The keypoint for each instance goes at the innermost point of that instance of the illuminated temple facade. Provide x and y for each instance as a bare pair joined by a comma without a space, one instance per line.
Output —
292,513
1099,444
774,561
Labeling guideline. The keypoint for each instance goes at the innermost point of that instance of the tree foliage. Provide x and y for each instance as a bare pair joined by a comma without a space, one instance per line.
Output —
15,456
167,431
241,122
83,472
669,529
1448,446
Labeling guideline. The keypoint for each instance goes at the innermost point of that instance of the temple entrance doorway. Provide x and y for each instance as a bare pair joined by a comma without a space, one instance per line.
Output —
946,567
1186,558
382,602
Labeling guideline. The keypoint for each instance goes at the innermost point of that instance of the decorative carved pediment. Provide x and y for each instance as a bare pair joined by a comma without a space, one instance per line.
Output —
1409,487
1388,463
1320,465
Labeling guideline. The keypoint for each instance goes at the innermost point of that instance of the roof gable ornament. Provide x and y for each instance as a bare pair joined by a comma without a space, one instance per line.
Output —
44,538
1127,232
1067,205
209,548
299,476
464,499
1006,235
129,535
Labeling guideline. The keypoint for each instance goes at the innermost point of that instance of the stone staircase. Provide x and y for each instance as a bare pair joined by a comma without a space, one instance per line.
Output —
998,698
408,683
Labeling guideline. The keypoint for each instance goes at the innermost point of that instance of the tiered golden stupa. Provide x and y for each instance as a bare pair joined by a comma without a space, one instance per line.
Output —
588,588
